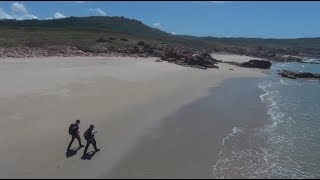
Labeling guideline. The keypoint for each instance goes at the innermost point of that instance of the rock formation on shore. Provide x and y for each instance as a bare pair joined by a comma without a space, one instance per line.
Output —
262,64
311,62
186,57
22,52
295,75
179,55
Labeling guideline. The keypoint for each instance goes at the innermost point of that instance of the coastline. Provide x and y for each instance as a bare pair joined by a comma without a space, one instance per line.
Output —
124,97
188,143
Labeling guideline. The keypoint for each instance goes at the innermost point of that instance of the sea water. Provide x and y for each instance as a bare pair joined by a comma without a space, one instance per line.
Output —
288,146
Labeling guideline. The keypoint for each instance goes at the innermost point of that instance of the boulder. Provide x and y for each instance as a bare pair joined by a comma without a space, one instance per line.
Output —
295,75
184,57
201,60
263,64
310,62
170,59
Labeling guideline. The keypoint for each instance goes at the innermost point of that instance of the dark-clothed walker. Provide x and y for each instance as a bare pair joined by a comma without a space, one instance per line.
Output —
89,136
74,132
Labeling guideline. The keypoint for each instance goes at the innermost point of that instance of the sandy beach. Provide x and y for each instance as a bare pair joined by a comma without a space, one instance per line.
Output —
126,98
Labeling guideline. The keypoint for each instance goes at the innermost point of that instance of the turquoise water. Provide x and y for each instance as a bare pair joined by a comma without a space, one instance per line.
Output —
288,146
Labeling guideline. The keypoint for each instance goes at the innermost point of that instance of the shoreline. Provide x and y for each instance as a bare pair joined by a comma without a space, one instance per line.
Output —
187,143
124,97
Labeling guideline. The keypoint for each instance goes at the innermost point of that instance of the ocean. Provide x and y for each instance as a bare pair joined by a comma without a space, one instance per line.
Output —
288,145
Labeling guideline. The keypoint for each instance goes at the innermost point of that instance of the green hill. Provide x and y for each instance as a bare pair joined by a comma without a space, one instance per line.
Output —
97,32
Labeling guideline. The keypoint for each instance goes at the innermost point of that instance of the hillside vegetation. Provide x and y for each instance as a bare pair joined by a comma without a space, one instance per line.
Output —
98,33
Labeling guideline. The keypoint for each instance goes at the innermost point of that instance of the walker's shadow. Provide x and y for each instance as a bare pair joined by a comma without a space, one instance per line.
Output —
88,156
72,152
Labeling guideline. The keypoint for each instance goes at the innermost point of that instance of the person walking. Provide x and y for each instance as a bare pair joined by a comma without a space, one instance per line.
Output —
74,132
89,136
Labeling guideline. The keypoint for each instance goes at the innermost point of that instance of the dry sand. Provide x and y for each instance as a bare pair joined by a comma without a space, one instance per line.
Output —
234,58
124,97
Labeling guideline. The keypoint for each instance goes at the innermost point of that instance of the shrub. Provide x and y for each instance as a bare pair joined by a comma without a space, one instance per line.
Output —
101,40
141,43
124,39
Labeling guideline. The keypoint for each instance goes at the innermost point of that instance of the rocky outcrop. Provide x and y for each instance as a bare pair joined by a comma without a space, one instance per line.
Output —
185,57
287,59
23,52
295,75
262,64
311,62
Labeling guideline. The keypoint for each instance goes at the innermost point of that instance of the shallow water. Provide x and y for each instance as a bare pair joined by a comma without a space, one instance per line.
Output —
286,147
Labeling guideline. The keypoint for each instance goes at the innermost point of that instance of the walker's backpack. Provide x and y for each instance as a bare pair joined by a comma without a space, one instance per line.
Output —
86,134
71,131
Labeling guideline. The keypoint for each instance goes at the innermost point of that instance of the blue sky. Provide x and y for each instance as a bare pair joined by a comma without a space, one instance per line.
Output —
208,18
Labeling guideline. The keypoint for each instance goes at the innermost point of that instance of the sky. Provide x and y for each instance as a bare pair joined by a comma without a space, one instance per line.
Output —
207,18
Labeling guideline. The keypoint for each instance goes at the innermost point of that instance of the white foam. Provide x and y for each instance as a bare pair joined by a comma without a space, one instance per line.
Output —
290,82
248,161
235,130
264,88
263,97
260,160
283,82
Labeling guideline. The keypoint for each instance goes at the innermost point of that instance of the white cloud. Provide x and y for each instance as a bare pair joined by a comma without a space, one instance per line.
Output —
157,25
4,15
174,33
19,11
18,8
97,11
58,15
